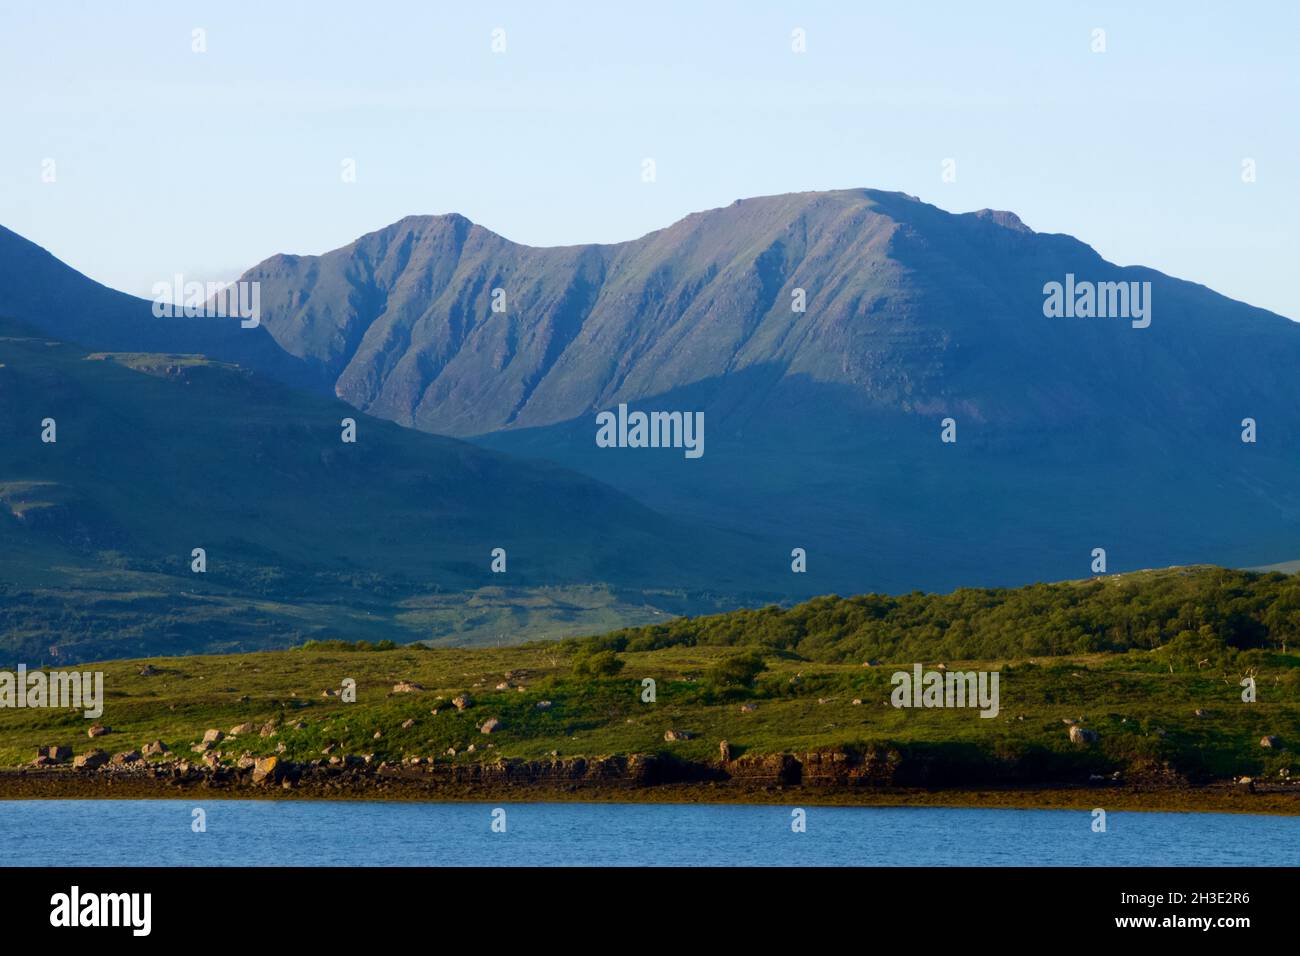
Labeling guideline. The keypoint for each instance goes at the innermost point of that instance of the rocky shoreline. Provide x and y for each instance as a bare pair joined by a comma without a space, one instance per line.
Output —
873,778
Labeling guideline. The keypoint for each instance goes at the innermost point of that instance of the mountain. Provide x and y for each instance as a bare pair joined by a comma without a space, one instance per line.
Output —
305,535
824,425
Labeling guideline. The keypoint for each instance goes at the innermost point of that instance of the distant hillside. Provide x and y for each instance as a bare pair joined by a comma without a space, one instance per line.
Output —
305,535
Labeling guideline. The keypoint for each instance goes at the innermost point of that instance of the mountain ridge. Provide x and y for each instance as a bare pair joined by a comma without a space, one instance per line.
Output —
405,323
824,423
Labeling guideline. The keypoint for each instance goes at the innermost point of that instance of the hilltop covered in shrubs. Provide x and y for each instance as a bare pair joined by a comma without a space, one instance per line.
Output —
1199,610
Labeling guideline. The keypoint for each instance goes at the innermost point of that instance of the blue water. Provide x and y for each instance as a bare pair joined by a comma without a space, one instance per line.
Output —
321,833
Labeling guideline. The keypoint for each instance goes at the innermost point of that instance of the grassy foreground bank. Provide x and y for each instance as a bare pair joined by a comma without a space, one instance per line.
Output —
1161,727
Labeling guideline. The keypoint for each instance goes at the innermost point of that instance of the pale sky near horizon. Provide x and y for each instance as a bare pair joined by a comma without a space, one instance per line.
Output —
167,160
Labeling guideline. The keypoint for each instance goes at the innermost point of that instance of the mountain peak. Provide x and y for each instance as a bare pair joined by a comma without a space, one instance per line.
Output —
1002,218
421,225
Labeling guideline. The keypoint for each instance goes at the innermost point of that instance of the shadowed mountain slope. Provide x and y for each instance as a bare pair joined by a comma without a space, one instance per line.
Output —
823,425
50,295
156,455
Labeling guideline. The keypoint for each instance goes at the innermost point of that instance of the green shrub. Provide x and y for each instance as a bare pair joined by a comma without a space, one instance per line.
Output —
738,670
336,645
597,664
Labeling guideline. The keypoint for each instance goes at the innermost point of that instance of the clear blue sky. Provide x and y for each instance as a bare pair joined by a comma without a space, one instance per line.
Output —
206,163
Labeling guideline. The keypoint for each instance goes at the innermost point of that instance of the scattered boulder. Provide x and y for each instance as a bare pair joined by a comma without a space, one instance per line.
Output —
406,687
55,753
213,736
748,708
267,769
155,748
1200,712
1270,742
97,730
90,760
671,735
239,729
408,723
1081,735
490,725
857,701
149,671
268,729
543,705
126,757
462,701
